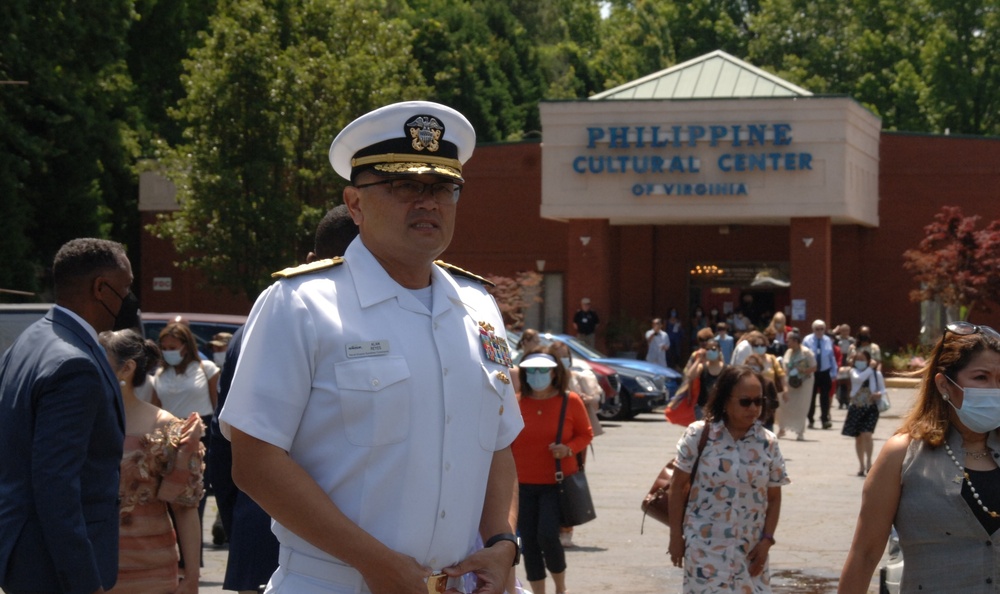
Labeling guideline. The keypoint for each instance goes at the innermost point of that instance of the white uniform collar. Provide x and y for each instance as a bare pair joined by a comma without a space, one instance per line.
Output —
374,285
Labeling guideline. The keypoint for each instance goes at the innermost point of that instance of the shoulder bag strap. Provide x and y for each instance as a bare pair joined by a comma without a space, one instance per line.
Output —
562,418
701,447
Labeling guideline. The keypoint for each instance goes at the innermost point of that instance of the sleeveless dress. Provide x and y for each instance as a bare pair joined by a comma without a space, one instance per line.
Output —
159,468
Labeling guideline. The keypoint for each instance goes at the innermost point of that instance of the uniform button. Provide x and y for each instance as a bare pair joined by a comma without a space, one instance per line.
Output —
447,465
436,325
444,371
442,514
447,419
375,382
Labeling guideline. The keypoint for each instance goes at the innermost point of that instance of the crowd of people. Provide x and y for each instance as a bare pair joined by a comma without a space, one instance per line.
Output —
368,429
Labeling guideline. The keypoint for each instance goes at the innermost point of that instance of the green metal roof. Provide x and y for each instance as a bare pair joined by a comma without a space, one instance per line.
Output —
716,75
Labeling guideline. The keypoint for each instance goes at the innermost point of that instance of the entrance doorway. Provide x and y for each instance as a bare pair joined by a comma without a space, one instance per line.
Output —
743,294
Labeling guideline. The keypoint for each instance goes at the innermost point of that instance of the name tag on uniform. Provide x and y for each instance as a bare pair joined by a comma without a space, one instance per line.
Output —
371,348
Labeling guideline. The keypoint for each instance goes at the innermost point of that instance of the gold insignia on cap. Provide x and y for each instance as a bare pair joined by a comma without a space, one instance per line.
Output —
425,131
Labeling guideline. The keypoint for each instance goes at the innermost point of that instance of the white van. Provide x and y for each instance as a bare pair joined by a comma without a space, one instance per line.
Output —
15,317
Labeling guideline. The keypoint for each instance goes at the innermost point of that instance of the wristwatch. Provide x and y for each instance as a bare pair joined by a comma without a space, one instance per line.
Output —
506,536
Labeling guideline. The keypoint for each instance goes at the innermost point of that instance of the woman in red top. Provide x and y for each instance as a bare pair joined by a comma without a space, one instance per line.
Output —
543,387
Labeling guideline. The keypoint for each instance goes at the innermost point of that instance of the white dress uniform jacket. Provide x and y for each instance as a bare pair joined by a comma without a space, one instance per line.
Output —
394,410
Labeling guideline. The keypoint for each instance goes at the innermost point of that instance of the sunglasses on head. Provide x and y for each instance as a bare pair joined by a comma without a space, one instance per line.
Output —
748,402
965,329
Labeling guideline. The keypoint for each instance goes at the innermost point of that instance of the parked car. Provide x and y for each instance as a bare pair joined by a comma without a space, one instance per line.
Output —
204,326
15,317
653,384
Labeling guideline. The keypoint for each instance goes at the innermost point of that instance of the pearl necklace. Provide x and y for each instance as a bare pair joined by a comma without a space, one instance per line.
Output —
968,481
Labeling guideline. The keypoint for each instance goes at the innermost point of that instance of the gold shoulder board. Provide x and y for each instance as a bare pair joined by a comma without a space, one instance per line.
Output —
459,272
308,268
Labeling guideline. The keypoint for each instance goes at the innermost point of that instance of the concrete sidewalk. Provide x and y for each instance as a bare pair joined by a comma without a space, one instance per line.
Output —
818,513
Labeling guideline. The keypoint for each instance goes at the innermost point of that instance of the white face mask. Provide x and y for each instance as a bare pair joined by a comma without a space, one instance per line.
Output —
219,358
980,408
172,357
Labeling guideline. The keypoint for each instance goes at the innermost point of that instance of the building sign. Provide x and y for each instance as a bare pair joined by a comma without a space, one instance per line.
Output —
162,283
669,150
641,162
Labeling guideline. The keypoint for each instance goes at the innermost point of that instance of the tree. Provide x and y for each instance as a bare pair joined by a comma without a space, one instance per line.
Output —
479,60
65,147
515,295
266,94
956,263
961,57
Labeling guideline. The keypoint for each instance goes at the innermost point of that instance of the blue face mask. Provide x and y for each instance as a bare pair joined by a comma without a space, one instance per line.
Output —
712,355
539,381
760,350
861,365
980,408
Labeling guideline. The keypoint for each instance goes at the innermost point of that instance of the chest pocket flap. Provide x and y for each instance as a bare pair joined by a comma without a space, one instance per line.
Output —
375,398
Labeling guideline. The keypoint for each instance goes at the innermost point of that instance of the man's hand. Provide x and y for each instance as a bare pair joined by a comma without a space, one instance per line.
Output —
402,575
491,566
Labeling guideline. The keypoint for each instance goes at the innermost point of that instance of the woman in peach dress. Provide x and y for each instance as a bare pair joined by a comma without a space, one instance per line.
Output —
162,466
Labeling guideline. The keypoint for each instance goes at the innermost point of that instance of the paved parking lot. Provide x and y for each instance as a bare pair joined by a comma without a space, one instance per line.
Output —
819,510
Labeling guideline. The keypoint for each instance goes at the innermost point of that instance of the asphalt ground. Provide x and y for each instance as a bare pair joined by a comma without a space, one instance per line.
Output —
818,511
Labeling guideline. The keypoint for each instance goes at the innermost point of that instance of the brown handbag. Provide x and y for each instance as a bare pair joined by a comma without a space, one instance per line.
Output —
656,501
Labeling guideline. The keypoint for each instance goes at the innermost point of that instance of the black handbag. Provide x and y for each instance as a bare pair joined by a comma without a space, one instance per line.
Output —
575,504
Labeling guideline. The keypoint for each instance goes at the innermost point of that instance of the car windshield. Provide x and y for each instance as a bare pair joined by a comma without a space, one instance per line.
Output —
588,351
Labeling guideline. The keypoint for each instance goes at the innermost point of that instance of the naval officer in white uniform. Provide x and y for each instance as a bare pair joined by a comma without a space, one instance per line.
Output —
371,413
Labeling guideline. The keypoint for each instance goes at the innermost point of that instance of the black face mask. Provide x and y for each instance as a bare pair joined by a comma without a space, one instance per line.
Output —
128,311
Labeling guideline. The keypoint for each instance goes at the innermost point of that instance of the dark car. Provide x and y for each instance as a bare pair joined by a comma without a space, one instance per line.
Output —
204,326
644,385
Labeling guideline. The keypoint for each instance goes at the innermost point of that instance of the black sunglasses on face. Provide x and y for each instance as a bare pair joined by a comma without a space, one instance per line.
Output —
748,402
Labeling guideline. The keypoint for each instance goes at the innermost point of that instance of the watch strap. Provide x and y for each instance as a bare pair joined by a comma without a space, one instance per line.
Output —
506,536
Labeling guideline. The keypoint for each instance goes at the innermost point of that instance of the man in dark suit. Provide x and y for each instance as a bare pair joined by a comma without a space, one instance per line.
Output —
61,430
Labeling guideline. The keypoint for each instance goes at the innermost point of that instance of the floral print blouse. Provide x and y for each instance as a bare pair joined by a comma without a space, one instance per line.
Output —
724,517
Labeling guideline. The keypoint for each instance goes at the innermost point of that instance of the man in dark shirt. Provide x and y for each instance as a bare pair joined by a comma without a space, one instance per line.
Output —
585,321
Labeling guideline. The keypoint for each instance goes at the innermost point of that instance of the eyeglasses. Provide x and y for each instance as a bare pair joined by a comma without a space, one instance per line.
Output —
748,402
965,329
537,369
409,191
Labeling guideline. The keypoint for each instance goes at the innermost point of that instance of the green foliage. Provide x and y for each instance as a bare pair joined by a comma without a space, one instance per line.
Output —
65,150
478,59
266,93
